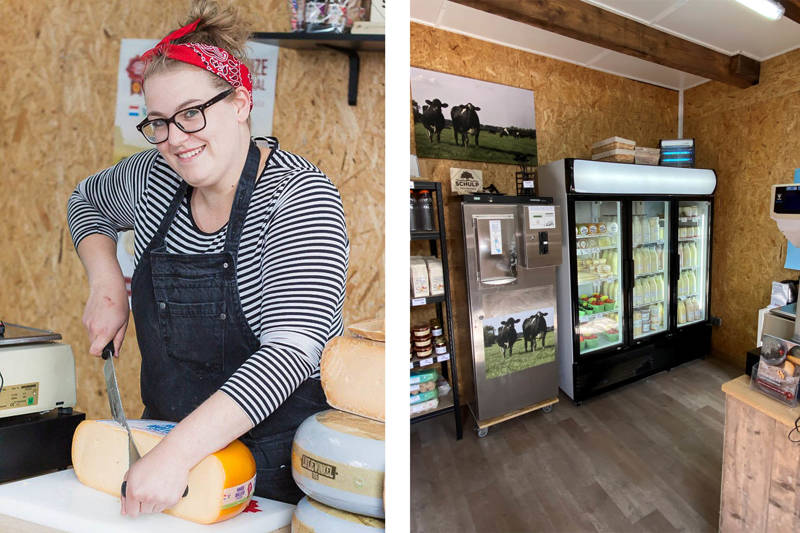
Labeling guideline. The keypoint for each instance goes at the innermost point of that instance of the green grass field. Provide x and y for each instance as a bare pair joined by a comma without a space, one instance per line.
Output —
492,149
496,366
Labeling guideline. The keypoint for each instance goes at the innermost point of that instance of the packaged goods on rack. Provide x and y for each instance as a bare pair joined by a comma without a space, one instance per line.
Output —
424,406
423,376
325,16
777,374
424,396
435,276
420,285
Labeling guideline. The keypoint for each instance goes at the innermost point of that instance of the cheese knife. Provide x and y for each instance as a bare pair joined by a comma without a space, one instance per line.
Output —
117,412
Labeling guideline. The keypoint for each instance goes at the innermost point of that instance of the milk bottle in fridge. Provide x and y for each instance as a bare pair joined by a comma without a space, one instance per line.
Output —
637,231
645,230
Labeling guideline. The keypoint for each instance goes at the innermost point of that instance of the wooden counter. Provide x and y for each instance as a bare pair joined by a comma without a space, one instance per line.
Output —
760,466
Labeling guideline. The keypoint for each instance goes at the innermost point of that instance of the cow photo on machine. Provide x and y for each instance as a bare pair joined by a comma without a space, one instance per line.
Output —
516,341
465,119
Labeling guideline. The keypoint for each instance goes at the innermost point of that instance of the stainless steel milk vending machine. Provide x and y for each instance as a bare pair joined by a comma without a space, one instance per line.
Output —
512,246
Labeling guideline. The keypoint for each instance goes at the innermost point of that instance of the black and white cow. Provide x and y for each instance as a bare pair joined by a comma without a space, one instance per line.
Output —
465,121
433,119
507,336
533,327
415,108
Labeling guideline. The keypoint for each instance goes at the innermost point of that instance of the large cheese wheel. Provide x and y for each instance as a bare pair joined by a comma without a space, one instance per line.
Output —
352,372
220,486
374,329
314,517
339,459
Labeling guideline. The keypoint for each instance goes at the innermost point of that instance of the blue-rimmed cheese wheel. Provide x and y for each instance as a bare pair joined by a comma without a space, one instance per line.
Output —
311,516
339,459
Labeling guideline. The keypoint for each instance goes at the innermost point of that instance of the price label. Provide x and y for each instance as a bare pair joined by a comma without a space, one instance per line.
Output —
426,362
418,301
414,388
411,365
443,357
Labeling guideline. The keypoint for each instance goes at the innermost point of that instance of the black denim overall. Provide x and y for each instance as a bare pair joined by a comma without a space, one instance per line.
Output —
193,335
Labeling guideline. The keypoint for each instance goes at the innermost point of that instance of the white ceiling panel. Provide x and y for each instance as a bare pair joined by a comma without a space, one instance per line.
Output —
722,25
482,25
427,11
639,69
734,28
643,10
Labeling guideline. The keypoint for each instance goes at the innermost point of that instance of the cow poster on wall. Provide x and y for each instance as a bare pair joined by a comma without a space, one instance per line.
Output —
465,119
516,341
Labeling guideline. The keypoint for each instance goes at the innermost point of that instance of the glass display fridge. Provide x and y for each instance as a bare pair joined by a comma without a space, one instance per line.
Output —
634,279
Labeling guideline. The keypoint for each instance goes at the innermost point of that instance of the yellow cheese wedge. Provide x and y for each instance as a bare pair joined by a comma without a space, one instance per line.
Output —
374,329
220,486
352,372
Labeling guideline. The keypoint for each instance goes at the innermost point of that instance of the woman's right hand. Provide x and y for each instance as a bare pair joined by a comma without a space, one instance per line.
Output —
106,314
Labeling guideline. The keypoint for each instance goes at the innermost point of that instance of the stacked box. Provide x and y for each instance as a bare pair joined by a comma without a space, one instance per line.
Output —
647,156
614,149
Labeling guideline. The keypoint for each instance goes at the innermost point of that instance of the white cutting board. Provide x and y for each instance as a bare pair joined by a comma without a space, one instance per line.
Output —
60,501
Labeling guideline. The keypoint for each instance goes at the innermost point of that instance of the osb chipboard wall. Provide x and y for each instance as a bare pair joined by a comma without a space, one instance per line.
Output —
751,137
575,107
57,112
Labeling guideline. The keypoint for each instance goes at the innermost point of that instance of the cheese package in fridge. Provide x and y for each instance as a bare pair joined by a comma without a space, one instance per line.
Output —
339,459
314,517
352,373
220,486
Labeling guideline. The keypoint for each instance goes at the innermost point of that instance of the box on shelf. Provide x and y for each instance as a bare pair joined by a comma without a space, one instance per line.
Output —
612,143
618,155
646,156
435,276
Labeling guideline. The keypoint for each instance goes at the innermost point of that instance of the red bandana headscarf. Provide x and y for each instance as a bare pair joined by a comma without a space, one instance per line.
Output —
206,56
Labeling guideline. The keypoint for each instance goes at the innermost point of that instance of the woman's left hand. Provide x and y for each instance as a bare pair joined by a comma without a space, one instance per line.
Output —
154,483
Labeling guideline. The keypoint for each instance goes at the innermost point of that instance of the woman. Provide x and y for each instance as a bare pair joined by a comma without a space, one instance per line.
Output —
241,256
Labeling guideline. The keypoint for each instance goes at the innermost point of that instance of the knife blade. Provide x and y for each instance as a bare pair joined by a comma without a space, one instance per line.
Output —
117,412
115,403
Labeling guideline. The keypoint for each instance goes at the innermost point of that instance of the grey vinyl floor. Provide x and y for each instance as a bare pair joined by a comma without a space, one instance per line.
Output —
645,457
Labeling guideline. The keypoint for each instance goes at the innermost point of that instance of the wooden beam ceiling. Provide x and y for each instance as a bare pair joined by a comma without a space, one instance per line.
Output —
588,23
792,8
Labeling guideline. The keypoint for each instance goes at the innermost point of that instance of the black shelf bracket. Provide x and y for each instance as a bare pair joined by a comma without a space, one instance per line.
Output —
352,81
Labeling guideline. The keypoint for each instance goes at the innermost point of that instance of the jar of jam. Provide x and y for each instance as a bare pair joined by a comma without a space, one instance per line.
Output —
440,345
436,327
422,353
423,342
421,330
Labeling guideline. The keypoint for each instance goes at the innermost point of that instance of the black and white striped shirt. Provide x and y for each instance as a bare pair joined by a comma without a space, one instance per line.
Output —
291,264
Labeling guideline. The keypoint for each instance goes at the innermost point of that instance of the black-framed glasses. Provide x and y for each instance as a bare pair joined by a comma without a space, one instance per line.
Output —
189,120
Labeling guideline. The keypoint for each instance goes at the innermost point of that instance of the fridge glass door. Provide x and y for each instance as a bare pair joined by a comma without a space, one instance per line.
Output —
598,257
693,258
650,242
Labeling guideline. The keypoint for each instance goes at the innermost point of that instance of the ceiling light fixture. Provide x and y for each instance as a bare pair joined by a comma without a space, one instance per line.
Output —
767,8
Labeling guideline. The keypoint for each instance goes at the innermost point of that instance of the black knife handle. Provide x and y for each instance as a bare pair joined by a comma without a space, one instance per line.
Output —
125,483
108,351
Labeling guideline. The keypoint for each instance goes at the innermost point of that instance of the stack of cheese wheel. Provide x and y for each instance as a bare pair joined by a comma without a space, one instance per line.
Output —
220,486
338,455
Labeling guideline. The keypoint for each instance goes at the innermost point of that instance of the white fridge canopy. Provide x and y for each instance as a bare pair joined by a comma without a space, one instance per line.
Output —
623,178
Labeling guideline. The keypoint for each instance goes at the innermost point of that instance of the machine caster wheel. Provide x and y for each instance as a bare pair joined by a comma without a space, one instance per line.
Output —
547,408
482,432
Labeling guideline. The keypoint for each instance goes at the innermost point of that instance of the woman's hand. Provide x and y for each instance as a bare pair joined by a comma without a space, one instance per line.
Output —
155,482
106,314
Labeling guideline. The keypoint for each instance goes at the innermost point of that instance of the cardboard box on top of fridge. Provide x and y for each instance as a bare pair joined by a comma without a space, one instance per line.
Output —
612,143
616,156
646,156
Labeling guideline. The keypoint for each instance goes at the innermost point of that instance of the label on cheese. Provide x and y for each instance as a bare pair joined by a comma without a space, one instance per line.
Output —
337,475
239,494
352,425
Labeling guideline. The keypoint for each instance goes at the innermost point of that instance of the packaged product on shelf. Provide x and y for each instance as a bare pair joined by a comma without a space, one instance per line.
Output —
424,406
444,387
423,387
421,330
440,345
419,278
423,396
423,375
436,327
435,275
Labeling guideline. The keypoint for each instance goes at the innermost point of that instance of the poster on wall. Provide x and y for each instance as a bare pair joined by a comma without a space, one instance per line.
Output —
465,119
130,110
516,341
